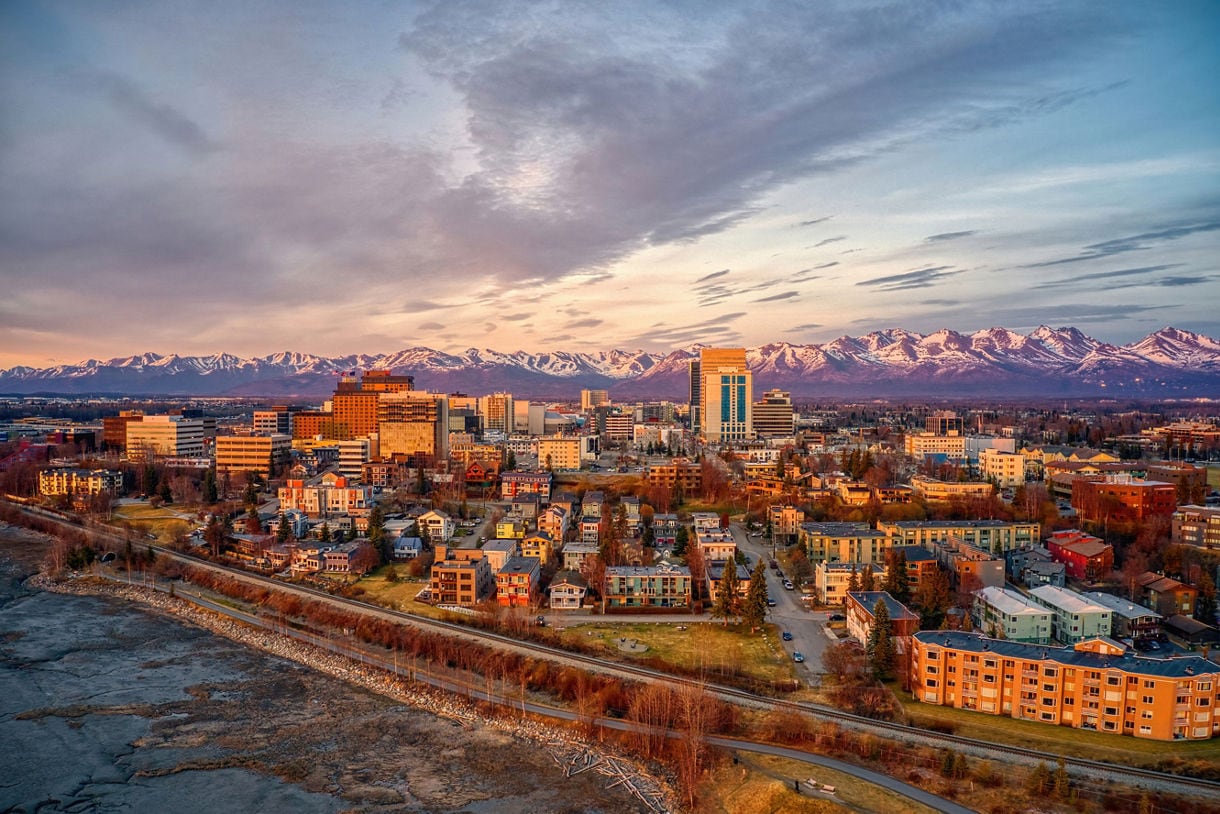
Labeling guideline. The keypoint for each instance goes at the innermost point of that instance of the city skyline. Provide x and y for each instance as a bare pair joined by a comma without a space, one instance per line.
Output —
195,179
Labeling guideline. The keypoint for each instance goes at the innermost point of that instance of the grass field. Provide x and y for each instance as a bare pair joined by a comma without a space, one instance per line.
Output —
763,785
166,522
1058,740
702,646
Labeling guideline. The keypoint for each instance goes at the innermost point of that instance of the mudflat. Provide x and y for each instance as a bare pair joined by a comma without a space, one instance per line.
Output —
107,706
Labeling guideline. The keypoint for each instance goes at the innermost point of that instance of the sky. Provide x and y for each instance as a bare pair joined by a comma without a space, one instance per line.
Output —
335,178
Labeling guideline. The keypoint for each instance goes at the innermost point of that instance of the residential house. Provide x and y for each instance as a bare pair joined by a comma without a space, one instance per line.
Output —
665,529
1085,558
538,545
554,521
438,525
832,580
525,507
1167,595
517,582
568,590
1032,566
575,553
716,544
500,551
513,484
715,572
1127,619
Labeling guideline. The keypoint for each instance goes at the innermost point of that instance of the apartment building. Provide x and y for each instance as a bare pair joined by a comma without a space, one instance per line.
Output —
1169,596
559,453
54,482
496,413
461,577
786,522
636,587
680,473
996,536
1092,685
539,545
275,421
554,521
1007,469
334,495
969,567
832,580
1074,617
925,444
1002,613
576,553
1197,526
261,454
843,542
943,491
513,484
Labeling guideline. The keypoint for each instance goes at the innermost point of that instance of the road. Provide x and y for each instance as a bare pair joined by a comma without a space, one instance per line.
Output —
808,628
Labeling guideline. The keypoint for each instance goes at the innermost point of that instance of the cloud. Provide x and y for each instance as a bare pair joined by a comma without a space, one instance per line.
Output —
431,326
1133,243
787,295
943,236
584,323
940,302
828,241
1106,275
166,121
714,275
808,326
514,317
920,278
815,221
714,330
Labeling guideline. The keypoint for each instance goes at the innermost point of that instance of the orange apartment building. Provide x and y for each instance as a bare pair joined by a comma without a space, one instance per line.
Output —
1094,685
688,476
461,576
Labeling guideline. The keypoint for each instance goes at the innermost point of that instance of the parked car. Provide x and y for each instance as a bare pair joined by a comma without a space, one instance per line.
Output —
771,603
838,617
775,564
798,657
786,636
788,586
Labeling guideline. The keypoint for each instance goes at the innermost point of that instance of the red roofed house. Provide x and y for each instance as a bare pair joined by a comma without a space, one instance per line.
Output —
1085,558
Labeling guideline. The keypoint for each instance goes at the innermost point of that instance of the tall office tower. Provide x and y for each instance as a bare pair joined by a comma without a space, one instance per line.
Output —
592,399
165,436
726,409
274,420
413,423
496,411
773,415
354,404
944,422
696,397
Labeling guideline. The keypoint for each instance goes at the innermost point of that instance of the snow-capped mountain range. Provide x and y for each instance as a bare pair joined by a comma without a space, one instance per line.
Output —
996,362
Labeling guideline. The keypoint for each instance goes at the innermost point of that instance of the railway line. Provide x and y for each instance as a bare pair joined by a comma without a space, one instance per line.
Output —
1084,768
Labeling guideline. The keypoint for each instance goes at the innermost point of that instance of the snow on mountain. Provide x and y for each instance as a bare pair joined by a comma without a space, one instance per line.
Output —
889,362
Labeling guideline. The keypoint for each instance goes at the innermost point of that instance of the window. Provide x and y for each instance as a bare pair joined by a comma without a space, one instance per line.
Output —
1147,699
931,682
1114,681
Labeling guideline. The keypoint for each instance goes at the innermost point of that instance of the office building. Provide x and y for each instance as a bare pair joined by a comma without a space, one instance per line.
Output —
261,454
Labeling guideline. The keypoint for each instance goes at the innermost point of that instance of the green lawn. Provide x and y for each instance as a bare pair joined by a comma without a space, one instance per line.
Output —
166,522
709,647
1058,740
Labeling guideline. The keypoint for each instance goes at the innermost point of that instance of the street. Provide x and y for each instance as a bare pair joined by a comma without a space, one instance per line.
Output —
808,628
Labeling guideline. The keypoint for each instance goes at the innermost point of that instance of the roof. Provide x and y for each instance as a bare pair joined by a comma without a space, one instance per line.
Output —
841,529
915,553
1087,548
569,578
520,565
1121,607
648,570
1186,625
499,544
1065,600
869,600
976,643
1009,602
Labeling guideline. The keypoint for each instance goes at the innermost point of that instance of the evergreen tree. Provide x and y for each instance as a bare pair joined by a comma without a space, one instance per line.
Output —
164,492
1206,610
934,599
1039,780
324,534
210,492
681,540
726,593
284,531
1063,782
254,524
897,583
880,647
853,582
867,581
754,611
377,535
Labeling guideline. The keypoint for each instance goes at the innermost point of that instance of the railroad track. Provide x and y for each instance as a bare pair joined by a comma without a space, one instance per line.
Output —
1078,767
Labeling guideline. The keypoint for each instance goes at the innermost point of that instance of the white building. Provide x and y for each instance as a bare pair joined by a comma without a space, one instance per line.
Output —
165,436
